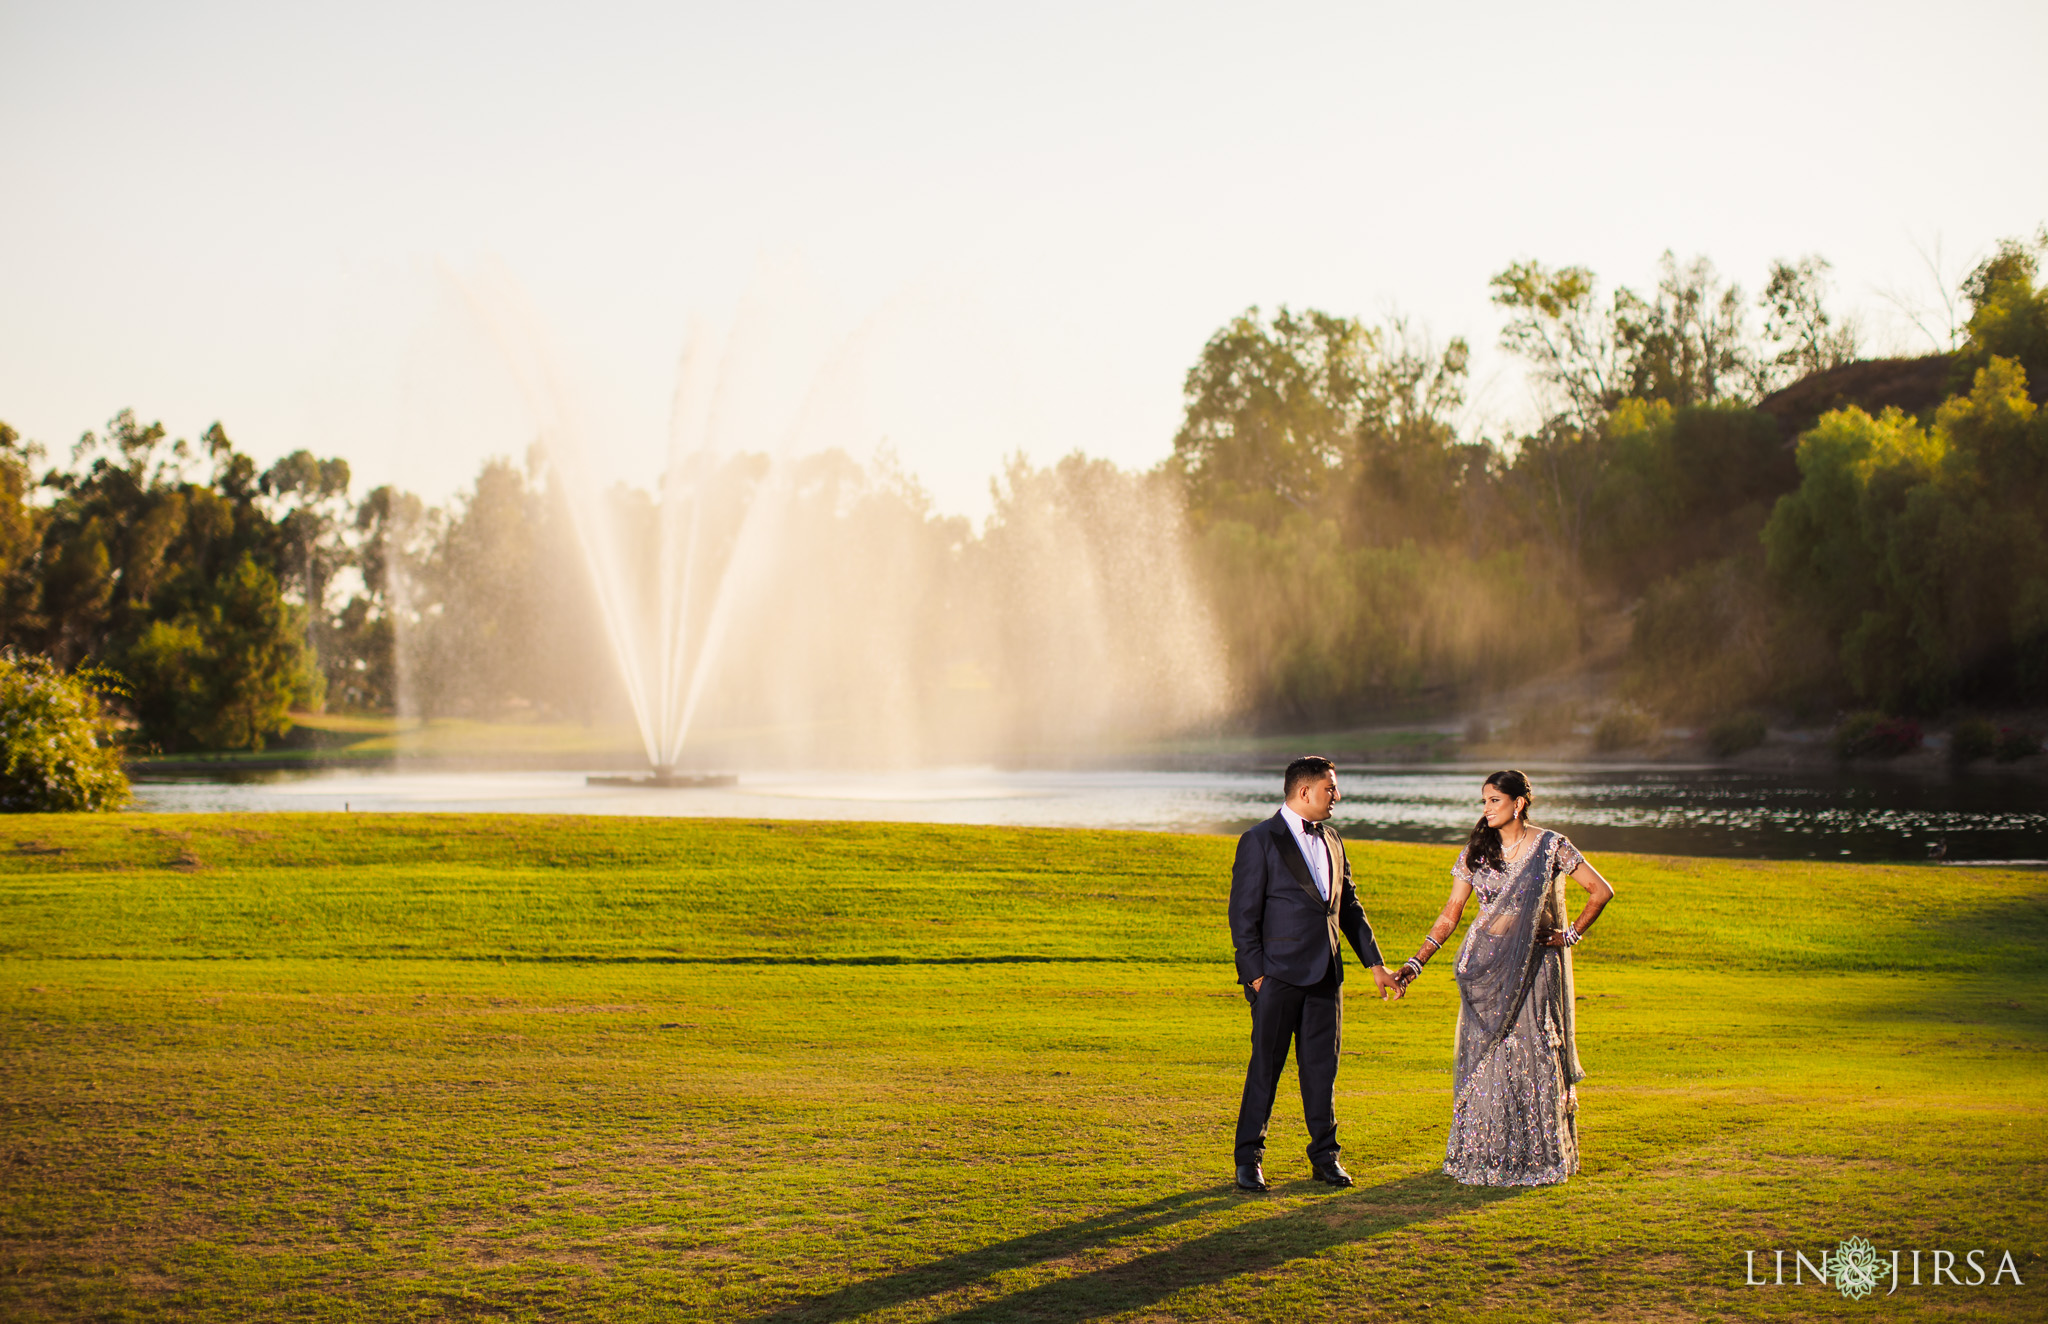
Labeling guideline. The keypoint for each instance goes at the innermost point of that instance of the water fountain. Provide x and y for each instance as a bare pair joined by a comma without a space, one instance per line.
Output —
690,598
775,585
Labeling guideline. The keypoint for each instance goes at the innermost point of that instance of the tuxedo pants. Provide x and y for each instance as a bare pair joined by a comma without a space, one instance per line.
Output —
1312,1019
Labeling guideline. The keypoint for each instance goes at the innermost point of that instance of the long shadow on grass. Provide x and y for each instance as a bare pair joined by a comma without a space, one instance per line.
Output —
2007,935
1263,1243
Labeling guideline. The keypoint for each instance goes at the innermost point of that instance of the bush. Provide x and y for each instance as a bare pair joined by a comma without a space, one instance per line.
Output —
2016,743
1736,732
57,751
1973,738
1624,728
1875,736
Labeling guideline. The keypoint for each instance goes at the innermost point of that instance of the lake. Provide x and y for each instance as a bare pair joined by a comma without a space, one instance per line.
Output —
1682,811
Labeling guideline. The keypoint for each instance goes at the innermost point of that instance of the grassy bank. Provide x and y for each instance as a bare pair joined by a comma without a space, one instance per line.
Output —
512,1067
367,740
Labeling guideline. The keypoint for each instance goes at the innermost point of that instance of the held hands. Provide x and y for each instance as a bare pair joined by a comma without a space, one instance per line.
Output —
1390,986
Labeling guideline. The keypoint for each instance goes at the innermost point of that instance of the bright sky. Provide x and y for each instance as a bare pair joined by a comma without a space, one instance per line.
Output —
1010,227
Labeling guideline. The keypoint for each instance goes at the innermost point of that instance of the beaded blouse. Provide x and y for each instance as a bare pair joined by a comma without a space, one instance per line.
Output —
1488,881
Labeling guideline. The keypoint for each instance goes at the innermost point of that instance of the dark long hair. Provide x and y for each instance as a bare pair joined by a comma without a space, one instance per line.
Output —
1484,847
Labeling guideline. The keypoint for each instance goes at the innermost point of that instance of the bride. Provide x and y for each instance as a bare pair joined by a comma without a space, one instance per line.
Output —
1514,1076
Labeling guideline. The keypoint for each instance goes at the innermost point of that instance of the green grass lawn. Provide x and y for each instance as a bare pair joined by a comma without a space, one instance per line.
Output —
367,1067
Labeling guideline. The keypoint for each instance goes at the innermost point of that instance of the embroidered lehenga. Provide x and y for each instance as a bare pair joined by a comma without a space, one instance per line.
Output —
1514,1110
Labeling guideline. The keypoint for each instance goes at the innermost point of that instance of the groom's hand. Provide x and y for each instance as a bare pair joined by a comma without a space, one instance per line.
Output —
1256,982
1388,985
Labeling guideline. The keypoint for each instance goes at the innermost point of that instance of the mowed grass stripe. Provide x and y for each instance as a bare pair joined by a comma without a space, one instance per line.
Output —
518,887
733,1071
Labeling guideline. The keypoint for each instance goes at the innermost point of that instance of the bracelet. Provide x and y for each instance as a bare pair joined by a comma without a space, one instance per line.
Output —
1412,964
1434,944
1572,936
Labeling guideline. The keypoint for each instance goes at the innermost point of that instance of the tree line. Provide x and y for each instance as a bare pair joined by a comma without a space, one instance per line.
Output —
1723,474
1778,522
216,597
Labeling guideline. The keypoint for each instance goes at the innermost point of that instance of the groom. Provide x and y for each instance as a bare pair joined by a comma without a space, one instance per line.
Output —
1290,898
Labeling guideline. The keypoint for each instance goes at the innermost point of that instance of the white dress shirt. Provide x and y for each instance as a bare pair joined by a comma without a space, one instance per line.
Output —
1313,848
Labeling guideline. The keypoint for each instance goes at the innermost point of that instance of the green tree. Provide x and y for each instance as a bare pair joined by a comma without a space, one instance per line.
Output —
1557,324
2008,314
1316,413
475,650
1829,542
1797,322
1920,551
1557,470
183,582
132,538
57,741
308,501
21,534
1974,560
225,675
1411,477
1341,517
1678,486
393,536
1272,408
1689,341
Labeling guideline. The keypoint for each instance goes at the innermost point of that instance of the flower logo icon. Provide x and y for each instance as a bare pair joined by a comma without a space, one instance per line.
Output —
1854,1265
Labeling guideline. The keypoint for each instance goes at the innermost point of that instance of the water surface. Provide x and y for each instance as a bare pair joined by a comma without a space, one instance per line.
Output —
1680,811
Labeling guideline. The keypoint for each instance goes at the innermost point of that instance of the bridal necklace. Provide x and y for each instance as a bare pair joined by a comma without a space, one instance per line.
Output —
1521,846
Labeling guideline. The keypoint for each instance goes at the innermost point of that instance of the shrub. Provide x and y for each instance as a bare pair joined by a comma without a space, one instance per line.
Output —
57,751
1736,732
1875,736
2015,743
1623,728
1973,738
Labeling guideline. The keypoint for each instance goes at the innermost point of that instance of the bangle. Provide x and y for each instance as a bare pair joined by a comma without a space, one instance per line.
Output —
1412,964
1434,944
1572,936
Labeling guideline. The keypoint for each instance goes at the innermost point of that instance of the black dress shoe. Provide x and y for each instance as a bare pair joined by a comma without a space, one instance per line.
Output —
1331,1171
1249,1178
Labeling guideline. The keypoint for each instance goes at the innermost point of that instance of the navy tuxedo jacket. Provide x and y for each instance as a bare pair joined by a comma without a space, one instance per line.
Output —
1279,924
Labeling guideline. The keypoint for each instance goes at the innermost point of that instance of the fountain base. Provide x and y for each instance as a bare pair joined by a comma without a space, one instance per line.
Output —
669,779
